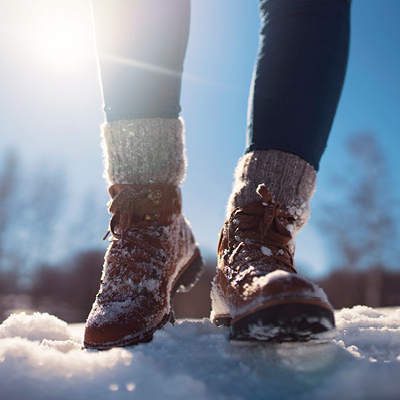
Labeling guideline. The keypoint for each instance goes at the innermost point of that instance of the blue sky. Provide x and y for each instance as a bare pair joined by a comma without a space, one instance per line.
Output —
51,112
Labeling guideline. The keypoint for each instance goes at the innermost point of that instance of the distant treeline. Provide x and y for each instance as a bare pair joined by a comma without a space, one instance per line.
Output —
375,288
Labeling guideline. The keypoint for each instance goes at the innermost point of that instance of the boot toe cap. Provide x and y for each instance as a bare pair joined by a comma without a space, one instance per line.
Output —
120,324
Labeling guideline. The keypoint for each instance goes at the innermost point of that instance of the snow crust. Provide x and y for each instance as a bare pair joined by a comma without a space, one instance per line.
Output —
41,358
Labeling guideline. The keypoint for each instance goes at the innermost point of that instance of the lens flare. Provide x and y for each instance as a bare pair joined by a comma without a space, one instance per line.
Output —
60,35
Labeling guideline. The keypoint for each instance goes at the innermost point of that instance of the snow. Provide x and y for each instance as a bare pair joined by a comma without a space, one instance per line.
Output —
266,251
41,358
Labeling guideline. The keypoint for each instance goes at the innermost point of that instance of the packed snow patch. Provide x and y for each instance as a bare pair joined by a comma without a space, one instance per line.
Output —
369,333
41,358
34,327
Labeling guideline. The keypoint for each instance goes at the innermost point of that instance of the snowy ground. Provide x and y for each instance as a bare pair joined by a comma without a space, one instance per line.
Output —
41,358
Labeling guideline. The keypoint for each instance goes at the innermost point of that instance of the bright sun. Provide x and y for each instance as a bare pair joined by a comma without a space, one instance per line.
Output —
60,35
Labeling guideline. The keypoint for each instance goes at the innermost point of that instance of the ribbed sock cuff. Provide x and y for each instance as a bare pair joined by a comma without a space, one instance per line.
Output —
144,151
290,179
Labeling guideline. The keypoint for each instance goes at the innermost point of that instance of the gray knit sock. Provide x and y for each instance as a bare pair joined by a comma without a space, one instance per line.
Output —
144,151
289,178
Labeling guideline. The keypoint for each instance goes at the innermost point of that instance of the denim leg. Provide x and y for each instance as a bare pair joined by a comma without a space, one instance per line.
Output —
298,76
141,47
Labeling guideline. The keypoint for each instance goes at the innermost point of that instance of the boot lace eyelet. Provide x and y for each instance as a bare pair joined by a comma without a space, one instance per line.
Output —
154,197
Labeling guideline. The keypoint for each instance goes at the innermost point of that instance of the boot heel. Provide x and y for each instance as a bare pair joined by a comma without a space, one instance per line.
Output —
190,274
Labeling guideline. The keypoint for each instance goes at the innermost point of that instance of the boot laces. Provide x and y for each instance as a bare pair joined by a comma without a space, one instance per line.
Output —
136,237
257,232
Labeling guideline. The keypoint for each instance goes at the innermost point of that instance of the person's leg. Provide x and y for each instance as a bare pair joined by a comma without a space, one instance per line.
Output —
141,46
296,86
299,76
297,82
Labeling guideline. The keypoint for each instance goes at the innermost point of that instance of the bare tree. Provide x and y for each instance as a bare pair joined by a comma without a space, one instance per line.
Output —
8,185
89,224
7,189
43,206
30,205
363,226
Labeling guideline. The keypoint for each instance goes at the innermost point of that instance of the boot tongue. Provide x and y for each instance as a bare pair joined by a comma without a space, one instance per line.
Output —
134,205
271,225
127,207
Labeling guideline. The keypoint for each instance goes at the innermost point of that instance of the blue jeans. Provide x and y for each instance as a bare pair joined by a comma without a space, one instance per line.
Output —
141,46
298,75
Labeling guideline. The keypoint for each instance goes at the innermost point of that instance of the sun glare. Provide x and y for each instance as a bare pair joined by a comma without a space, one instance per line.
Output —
60,36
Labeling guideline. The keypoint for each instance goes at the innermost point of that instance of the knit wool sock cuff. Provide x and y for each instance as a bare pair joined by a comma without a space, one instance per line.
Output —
144,151
290,179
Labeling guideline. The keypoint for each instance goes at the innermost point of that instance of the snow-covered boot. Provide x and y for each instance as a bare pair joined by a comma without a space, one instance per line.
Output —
152,255
257,290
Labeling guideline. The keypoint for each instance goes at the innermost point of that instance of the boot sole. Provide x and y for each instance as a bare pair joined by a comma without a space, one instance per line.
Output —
280,323
186,279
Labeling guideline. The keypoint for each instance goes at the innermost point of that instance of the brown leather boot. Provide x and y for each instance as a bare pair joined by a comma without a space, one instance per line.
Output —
152,255
257,290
